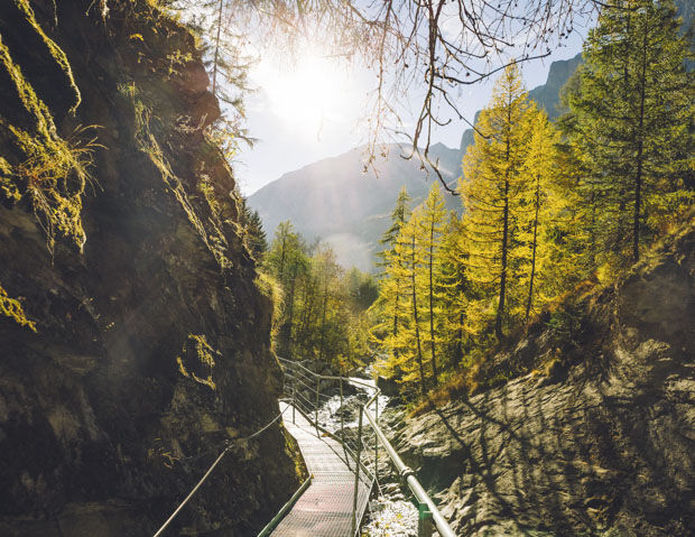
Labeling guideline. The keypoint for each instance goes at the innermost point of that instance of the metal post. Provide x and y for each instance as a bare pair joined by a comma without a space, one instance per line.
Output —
294,398
342,422
425,526
376,441
357,474
316,414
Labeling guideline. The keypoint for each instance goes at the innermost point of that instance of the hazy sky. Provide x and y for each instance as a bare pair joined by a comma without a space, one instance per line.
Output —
316,107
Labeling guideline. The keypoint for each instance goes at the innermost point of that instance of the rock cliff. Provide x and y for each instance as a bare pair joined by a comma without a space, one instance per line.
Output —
133,340
602,442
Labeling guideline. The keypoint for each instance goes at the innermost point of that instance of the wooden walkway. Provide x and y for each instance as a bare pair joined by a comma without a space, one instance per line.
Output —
325,508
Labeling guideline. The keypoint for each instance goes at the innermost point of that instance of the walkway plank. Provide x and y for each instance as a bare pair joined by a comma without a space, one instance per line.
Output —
325,508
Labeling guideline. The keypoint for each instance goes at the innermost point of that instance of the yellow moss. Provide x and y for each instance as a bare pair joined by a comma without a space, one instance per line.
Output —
205,355
12,308
8,187
55,170
210,232
178,60
56,52
208,191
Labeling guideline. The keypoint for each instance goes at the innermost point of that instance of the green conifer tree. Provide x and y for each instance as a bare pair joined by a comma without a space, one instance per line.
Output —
630,118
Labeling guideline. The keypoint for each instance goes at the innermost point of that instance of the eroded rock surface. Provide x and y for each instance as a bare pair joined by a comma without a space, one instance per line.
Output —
152,347
606,448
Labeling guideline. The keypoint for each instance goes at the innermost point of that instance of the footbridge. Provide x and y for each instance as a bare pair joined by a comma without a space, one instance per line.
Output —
342,459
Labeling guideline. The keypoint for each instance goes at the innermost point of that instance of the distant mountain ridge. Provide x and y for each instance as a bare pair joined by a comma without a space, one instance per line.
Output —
547,96
333,200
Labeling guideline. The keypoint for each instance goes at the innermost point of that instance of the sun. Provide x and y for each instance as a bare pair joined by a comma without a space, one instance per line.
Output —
307,92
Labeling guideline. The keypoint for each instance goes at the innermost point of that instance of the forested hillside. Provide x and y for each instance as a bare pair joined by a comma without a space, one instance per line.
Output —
336,201
340,202
549,210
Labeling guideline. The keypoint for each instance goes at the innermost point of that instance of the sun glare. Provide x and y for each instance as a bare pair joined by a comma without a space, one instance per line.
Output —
309,92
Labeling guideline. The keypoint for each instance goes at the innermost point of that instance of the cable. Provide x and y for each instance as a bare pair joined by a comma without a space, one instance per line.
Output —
229,446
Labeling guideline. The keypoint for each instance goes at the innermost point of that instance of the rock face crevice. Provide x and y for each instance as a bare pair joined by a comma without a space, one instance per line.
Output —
605,448
152,347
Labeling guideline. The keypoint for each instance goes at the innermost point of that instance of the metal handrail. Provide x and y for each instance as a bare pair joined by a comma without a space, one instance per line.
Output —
285,508
404,471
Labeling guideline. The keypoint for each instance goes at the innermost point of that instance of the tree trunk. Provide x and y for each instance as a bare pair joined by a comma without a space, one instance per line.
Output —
640,154
217,48
423,382
322,351
535,244
290,312
432,342
505,237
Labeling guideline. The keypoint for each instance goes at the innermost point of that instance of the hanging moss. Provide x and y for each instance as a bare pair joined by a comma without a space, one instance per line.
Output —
55,171
12,308
56,52
209,231
8,187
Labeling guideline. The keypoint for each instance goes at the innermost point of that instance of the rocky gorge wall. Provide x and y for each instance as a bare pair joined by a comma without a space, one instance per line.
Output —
143,342
602,443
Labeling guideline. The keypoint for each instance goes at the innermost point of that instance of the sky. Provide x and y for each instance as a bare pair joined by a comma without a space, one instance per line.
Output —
316,106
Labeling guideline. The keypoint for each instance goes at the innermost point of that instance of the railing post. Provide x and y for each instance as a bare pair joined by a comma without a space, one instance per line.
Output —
342,422
357,473
294,398
316,413
376,440
425,526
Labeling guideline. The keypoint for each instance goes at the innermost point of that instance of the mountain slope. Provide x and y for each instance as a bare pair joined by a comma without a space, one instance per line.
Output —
333,199
546,95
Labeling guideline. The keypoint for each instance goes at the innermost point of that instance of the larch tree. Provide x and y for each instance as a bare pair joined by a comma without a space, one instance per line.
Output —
544,202
630,118
287,261
407,249
456,291
492,189
391,282
431,225
405,358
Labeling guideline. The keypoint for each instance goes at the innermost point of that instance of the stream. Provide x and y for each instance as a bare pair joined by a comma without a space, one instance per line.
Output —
390,513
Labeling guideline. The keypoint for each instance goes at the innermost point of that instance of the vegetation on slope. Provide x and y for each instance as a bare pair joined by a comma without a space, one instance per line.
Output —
129,360
549,210
321,308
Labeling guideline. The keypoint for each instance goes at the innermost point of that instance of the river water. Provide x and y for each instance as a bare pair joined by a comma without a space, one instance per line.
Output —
390,513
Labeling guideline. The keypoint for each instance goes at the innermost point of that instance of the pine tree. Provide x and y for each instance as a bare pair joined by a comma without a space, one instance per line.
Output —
629,119
492,194
254,234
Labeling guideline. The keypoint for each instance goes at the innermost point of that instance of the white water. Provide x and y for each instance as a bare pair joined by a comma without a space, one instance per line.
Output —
390,514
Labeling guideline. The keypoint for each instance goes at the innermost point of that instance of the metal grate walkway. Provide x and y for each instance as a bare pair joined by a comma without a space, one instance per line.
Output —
325,508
